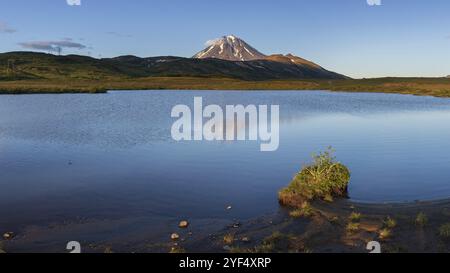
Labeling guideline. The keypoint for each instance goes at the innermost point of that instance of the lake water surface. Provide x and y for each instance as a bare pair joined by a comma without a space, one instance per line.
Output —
108,156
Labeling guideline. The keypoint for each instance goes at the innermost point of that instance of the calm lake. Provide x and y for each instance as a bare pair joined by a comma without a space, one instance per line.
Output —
110,156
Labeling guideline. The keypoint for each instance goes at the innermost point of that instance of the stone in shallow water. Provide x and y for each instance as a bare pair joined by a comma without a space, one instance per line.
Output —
183,224
8,235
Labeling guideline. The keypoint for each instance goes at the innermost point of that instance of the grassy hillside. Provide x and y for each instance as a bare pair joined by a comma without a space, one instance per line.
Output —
28,65
25,72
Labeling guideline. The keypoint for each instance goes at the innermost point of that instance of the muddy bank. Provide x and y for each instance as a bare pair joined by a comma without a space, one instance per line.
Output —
342,226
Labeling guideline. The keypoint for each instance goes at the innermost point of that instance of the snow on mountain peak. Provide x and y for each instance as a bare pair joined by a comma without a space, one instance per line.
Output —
229,48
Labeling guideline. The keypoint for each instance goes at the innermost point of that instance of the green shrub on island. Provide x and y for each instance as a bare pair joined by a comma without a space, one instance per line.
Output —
322,179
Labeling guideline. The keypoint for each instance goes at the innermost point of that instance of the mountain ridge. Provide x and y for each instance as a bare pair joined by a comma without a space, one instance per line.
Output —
233,48
34,65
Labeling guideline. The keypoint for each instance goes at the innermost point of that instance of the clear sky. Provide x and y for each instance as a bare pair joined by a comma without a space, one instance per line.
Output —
397,38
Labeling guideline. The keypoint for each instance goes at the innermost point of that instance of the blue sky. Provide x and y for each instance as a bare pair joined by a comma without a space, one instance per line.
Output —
398,38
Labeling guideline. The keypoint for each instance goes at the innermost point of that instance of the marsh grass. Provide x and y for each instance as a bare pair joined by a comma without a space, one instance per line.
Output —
355,217
352,227
277,242
444,231
390,223
323,178
333,219
108,250
421,219
385,233
328,198
177,250
49,84
305,210
228,239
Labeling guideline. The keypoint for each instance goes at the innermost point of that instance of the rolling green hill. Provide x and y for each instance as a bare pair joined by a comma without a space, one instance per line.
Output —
29,65
27,72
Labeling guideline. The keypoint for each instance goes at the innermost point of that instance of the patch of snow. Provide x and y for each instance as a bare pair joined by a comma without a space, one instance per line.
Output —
232,38
207,51
249,51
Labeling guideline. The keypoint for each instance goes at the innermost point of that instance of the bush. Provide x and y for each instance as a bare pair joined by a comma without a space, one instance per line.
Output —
444,231
355,217
421,219
385,233
352,227
228,239
390,223
322,179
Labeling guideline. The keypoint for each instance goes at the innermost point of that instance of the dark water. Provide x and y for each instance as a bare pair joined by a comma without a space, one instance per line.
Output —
111,155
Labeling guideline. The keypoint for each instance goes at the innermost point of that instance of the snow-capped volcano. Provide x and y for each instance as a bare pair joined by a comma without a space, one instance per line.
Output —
230,48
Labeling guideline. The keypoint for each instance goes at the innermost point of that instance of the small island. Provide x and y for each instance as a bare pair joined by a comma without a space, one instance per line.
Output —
316,216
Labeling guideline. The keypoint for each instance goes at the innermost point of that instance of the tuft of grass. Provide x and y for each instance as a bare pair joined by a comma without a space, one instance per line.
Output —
352,227
276,243
355,217
421,219
444,231
305,210
177,250
321,179
385,233
333,219
390,223
240,250
328,198
108,250
228,239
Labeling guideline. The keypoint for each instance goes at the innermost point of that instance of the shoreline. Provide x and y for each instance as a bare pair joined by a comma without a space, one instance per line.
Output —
326,231
323,232
436,87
